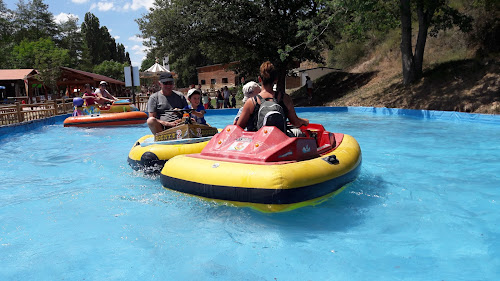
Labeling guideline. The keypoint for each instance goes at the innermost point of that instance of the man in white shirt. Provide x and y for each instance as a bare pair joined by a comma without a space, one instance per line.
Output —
103,96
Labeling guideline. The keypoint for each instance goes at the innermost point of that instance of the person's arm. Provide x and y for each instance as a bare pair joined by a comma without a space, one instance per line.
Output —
237,116
245,114
292,115
199,112
101,97
165,123
110,96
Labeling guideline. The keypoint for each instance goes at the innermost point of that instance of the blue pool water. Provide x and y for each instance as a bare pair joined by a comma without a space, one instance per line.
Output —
425,207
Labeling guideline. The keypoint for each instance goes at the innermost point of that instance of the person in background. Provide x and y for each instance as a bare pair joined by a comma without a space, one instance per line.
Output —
249,114
89,97
250,90
226,96
159,104
220,99
205,100
309,84
103,96
233,100
194,97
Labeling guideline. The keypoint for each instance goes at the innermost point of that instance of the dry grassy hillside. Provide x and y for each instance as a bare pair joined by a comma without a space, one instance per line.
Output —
453,81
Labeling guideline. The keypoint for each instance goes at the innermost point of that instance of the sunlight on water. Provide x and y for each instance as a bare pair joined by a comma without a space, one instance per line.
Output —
425,207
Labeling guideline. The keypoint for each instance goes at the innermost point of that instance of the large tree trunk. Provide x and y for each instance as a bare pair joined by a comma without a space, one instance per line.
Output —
280,85
406,50
423,27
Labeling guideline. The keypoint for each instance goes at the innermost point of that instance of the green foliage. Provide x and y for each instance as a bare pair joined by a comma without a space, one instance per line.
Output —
70,38
486,26
147,63
98,45
346,54
6,31
111,69
44,56
91,32
24,54
250,32
32,21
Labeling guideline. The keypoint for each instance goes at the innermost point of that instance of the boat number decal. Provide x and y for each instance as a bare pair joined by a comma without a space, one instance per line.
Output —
179,134
306,149
216,165
238,146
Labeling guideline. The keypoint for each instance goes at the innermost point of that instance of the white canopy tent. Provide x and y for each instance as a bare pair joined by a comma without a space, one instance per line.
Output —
150,76
155,68
154,71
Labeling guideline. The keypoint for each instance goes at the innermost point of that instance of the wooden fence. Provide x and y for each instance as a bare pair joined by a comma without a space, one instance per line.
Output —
142,103
17,113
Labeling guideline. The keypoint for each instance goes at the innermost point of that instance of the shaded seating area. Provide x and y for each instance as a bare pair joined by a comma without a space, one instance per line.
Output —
74,79
21,85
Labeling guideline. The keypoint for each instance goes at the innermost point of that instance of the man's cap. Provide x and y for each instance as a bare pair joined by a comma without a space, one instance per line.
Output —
166,77
103,83
192,92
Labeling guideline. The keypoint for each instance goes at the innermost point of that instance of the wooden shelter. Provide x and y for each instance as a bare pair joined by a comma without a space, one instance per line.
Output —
20,85
73,79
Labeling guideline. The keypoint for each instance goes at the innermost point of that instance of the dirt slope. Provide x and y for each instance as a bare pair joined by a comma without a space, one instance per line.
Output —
466,86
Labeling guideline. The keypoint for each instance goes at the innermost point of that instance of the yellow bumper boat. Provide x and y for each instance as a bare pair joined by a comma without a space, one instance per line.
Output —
267,170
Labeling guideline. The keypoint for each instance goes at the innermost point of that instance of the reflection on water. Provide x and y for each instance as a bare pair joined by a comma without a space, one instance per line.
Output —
424,205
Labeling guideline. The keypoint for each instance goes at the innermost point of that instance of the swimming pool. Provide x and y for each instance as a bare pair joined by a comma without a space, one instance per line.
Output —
425,207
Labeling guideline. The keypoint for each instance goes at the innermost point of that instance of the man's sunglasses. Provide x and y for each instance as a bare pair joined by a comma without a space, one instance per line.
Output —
168,83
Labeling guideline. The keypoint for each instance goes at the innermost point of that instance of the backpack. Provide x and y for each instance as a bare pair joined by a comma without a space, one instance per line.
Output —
271,114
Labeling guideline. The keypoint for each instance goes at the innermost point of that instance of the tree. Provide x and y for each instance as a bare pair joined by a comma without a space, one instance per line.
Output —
42,22
127,59
147,62
98,45
186,65
33,21
92,44
120,53
250,32
431,14
486,26
70,38
44,56
111,69
350,27
107,45
6,31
